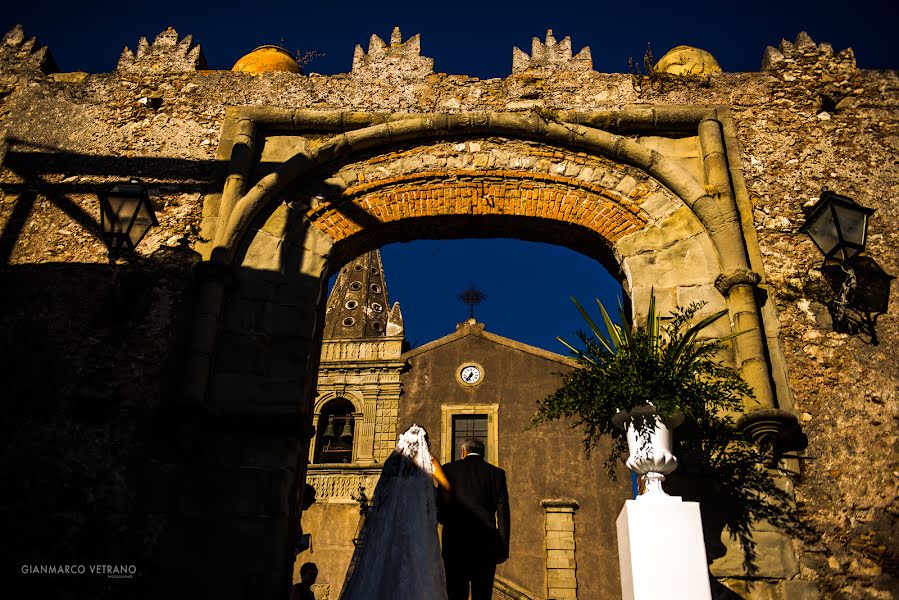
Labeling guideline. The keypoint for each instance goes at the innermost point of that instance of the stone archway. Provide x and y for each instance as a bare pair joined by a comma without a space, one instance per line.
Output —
708,187
648,191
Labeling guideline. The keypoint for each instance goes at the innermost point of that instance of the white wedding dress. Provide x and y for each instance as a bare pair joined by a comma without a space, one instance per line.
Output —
398,557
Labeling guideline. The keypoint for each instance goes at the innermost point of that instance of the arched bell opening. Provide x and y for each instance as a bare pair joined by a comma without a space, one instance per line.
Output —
335,433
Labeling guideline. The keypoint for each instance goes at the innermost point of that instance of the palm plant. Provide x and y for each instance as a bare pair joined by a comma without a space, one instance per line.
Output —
669,366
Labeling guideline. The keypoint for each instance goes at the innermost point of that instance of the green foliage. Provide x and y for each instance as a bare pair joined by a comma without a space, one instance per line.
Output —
671,367
667,366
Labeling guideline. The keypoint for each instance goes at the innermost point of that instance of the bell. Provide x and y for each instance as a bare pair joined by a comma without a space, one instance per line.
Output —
347,435
329,430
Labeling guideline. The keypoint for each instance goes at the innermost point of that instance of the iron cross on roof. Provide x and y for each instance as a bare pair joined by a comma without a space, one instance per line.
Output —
472,297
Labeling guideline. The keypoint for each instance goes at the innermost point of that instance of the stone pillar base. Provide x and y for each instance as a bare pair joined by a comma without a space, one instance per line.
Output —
561,560
661,551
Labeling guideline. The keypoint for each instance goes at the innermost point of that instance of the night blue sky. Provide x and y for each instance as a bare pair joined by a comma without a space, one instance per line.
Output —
474,38
528,285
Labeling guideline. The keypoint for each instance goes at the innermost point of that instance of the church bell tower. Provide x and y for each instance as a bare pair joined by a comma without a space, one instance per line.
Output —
357,400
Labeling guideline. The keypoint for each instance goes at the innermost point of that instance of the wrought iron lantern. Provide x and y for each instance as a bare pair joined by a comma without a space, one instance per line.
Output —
839,227
126,214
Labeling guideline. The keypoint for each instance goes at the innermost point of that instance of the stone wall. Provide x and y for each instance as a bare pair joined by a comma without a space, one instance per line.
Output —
92,368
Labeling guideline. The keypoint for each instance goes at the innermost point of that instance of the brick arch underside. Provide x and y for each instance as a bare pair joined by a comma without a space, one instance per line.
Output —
241,207
491,187
502,203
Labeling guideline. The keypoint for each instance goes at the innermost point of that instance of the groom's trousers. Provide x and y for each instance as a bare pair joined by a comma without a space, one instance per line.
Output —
476,571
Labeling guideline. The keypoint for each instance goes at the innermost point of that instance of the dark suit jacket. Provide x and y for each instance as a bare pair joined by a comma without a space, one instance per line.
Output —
476,518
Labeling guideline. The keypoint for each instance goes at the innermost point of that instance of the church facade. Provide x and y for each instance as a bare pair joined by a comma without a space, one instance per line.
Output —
469,383
166,411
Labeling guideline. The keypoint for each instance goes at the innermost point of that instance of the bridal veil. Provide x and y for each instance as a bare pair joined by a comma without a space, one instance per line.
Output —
398,554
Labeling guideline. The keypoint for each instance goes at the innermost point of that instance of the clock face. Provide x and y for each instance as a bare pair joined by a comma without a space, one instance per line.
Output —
470,374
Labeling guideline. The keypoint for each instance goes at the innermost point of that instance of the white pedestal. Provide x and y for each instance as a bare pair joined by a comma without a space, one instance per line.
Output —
661,551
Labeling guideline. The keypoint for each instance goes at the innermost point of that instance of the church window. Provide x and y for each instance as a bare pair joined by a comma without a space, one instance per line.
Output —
356,286
377,326
351,304
357,267
468,426
376,307
349,322
375,288
462,421
335,432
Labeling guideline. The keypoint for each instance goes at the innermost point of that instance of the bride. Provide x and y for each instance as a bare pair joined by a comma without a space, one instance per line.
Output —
398,555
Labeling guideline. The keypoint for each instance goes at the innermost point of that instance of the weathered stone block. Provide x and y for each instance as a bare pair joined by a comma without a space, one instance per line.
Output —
677,227
560,563
659,205
562,525
750,589
799,590
277,222
264,253
561,578
279,148
776,558
697,264
566,543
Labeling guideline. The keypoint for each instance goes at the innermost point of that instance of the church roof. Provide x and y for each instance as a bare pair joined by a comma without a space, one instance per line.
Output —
358,306
472,327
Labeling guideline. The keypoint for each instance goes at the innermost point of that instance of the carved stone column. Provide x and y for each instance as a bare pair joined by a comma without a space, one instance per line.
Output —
767,425
314,438
366,433
361,444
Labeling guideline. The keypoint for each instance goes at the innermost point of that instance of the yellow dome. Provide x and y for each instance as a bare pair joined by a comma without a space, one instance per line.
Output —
265,59
687,60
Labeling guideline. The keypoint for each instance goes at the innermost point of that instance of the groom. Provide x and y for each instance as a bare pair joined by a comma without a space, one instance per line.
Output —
475,524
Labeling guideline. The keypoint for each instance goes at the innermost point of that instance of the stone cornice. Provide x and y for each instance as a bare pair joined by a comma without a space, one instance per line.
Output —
361,351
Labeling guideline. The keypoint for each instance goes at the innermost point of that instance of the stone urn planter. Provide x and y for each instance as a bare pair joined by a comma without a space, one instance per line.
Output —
629,375
650,443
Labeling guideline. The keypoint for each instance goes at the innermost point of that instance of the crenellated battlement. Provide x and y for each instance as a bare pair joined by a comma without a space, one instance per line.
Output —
398,59
552,55
813,71
804,52
165,55
19,53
